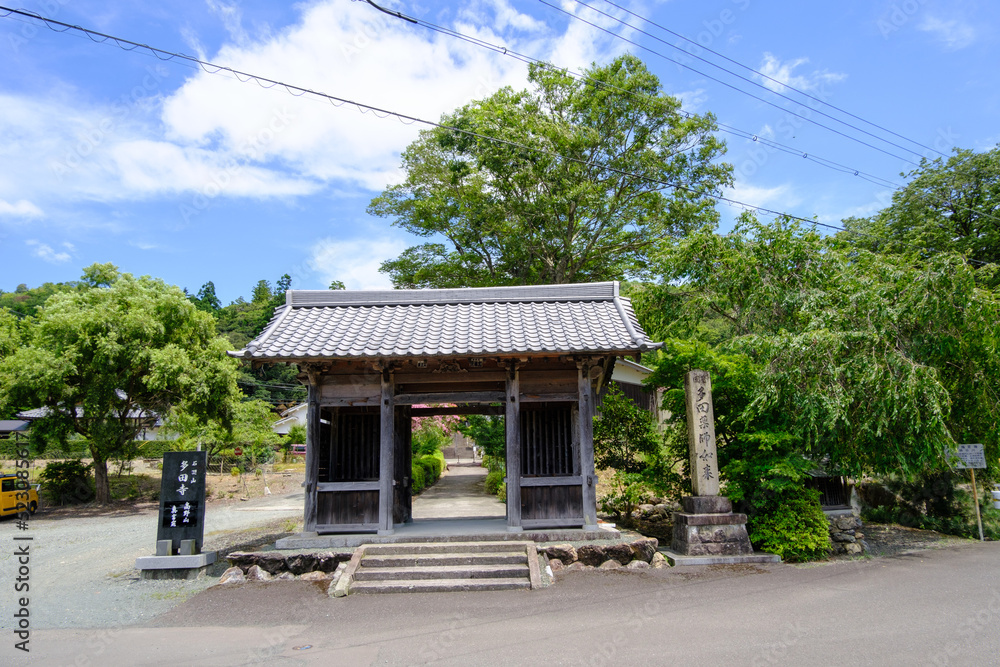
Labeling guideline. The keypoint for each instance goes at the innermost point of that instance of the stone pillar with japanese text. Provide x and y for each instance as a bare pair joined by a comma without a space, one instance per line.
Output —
701,434
707,528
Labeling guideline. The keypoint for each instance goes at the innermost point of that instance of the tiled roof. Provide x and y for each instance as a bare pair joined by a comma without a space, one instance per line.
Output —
13,425
589,318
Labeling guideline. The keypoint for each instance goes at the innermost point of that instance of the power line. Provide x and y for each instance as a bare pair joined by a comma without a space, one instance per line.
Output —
298,91
758,73
744,134
740,90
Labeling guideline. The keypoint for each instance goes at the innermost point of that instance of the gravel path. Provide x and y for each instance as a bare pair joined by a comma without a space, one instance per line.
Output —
82,567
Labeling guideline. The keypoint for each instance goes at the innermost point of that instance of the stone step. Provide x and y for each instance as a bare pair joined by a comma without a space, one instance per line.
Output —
424,572
433,559
444,547
439,585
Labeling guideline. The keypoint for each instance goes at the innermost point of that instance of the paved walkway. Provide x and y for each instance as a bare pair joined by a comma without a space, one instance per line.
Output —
459,494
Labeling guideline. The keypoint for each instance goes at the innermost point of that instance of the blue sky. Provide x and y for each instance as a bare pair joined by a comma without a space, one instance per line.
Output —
166,170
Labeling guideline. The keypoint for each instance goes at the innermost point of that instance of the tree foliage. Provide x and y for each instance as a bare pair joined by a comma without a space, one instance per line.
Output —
868,360
104,359
949,205
579,187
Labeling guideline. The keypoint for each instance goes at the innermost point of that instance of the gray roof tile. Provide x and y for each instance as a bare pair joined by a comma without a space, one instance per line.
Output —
589,318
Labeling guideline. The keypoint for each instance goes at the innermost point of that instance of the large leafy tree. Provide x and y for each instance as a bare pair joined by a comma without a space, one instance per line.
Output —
871,360
584,177
948,205
104,358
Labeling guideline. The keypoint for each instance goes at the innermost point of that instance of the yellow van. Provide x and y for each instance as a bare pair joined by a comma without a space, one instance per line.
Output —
9,497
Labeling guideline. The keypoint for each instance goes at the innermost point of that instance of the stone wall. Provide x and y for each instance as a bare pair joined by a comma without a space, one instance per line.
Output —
846,534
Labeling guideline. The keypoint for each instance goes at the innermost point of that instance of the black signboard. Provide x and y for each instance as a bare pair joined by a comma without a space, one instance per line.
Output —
182,498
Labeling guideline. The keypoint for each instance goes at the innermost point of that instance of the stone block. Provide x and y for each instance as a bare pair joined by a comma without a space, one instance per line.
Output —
188,548
163,547
708,519
643,550
301,563
622,553
706,504
233,575
564,552
590,554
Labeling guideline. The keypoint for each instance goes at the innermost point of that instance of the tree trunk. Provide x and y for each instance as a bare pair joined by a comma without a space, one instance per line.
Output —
101,485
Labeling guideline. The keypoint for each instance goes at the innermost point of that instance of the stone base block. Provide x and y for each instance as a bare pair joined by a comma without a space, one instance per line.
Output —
706,504
710,535
174,567
758,557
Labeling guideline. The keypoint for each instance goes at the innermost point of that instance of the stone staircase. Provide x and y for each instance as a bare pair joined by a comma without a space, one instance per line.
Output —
441,566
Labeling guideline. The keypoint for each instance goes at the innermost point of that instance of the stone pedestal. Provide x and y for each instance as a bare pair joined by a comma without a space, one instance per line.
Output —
708,527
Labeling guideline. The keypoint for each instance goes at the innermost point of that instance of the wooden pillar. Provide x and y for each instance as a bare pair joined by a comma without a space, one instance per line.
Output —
585,423
312,452
387,435
513,423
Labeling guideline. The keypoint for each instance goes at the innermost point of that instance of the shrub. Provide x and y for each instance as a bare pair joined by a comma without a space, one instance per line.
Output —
791,524
418,483
428,437
494,480
67,482
432,466
628,491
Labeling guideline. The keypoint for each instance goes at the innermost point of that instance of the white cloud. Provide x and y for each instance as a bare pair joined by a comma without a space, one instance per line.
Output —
216,136
22,208
780,197
778,75
692,100
353,52
953,34
45,252
355,262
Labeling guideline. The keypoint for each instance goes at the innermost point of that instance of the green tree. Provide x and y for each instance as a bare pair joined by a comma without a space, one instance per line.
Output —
262,293
488,432
584,188
948,205
104,358
25,302
626,441
870,360
249,423
206,298
336,285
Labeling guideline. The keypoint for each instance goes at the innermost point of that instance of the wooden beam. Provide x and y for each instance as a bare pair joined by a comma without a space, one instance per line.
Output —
451,397
473,375
351,402
555,523
323,487
513,424
459,410
386,455
586,426
561,397
312,452
574,480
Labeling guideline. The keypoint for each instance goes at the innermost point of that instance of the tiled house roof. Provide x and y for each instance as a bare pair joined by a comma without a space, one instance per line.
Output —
557,319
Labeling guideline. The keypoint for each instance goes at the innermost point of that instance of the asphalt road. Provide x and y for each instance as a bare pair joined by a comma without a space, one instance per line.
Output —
935,607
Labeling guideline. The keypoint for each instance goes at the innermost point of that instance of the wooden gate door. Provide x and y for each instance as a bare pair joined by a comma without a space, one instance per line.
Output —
551,482
348,486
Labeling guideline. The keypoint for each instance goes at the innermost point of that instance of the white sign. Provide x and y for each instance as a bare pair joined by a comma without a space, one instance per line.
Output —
968,456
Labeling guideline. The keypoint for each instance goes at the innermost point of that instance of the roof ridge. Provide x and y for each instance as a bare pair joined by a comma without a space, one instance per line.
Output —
602,291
